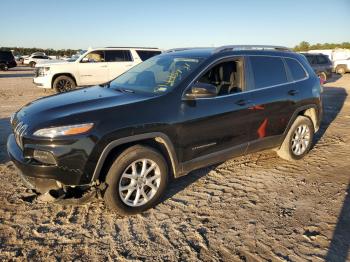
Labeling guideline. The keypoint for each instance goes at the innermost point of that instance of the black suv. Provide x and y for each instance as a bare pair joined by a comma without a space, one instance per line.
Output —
171,114
7,60
321,64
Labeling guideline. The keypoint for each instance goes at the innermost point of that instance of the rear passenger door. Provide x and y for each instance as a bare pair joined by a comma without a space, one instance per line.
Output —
118,61
274,98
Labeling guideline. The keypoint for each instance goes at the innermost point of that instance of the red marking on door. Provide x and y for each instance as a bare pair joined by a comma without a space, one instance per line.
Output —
262,128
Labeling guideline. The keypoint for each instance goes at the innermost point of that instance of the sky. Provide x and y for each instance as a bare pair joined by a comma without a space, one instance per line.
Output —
79,24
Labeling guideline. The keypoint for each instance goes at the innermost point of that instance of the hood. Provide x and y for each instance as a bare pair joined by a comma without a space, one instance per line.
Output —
49,63
71,104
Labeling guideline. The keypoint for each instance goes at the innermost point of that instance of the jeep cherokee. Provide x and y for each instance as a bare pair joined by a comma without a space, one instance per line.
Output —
173,113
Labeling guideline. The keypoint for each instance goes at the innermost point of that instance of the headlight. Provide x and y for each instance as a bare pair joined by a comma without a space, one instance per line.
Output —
63,130
42,71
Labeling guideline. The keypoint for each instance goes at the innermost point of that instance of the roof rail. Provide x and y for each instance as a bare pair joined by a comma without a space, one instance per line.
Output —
182,49
250,47
129,47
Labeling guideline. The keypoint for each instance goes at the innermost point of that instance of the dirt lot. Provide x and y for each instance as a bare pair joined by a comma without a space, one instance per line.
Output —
252,208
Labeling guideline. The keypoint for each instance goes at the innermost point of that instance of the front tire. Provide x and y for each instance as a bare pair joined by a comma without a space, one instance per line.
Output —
298,141
64,84
136,180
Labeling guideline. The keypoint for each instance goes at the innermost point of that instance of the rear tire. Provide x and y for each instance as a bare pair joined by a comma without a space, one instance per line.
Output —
64,84
130,188
298,140
32,64
3,67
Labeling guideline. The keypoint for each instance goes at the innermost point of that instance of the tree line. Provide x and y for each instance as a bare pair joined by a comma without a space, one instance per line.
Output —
48,51
302,46
305,46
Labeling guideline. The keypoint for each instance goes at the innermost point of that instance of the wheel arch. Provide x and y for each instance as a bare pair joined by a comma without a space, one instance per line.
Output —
63,74
156,140
345,66
310,111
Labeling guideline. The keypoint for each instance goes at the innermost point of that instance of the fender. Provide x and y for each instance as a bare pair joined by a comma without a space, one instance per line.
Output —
157,136
296,113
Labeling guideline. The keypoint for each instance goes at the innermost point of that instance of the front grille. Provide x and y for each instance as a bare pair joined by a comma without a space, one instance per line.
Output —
19,131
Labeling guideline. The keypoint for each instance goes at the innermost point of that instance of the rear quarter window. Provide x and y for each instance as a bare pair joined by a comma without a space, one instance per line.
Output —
295,69
145,54
268,71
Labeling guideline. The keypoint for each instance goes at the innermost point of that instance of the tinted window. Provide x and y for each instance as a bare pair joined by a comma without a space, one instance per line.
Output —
6,55
311,59
118,55
321,59
144,54
295,69
268,71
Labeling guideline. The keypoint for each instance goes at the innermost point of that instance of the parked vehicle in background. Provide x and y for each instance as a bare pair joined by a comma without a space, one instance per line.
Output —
342,66
7,60
321,64
173,113
96,66
333,54
19,59
36,58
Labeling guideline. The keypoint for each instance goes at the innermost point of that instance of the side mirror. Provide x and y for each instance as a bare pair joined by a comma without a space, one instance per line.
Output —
201,90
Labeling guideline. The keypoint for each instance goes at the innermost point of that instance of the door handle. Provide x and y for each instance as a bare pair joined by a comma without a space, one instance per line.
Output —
293,92
103,66
243,102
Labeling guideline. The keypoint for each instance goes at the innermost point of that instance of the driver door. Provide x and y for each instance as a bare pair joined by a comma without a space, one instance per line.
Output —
217,125
93,69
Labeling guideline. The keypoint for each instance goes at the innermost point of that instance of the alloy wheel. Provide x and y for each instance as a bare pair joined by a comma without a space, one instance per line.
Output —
300,140
139,182
64,85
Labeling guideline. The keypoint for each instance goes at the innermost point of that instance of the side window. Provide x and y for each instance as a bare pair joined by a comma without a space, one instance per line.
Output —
322,59
94,57
118,55
268,71
311,59
144,54
295,69
225,76
36,57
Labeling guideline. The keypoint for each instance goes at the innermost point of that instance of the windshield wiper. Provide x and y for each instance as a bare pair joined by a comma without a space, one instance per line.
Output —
124,90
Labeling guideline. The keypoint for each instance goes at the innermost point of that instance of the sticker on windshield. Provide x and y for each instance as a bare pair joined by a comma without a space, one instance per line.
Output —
161,89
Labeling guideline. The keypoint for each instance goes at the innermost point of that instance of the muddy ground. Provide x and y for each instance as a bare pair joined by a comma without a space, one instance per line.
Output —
253,208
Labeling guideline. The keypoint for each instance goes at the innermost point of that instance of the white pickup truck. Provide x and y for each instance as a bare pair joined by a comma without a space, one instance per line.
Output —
96,66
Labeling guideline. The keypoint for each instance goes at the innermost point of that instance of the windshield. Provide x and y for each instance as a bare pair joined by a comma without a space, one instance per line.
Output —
158,74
